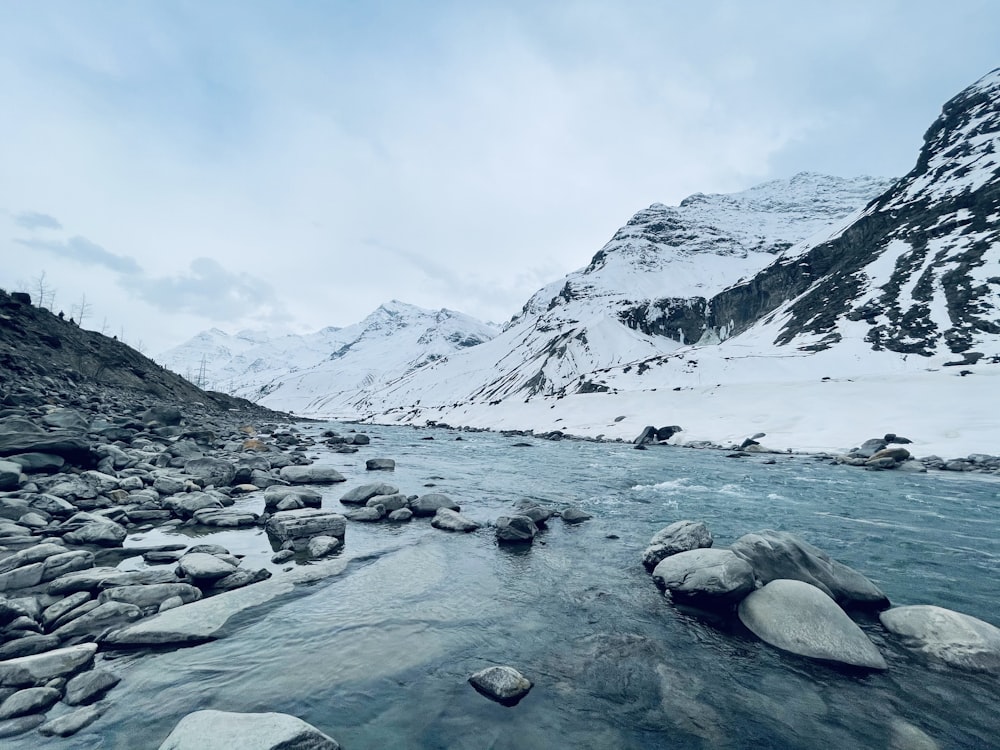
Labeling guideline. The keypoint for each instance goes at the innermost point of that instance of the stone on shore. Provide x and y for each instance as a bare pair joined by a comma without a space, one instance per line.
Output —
35,700
451,520
211,471
311,474
780,555
225,730
680,536
705,575
277,493
289,525
954,638
800,618
71,723
99,619
203,567
38,669
150,596
321,546
504,685
89,686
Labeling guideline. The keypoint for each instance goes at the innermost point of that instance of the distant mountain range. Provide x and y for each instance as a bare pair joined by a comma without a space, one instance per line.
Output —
810,277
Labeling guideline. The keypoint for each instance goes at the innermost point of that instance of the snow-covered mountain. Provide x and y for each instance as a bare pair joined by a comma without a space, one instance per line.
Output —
759,291
643,294
328,371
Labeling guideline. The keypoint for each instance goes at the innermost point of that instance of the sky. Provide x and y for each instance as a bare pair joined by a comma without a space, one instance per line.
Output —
175,166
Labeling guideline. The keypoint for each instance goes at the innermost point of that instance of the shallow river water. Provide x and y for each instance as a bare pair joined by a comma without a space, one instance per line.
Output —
379,656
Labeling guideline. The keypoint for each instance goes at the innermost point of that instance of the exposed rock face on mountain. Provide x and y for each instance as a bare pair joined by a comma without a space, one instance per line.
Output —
328,372
918,272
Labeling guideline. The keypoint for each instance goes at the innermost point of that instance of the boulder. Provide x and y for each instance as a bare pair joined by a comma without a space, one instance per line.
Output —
71,723
573,514
224,730
369,513
225,518
23,577
956,639
36,700
20,725
89,686
168,416
99,619
38,463
66,419
401,515
151,596
311,474
67,604
66,562
800,618
308,498
361,495
289,525
28,645
779,554
211,471
67,445
10,475
380,464
102,533
515,530
186,504
241,577
705,576
429,504
505,685
391,502
680,536
35,553
96,578
203,567
40,668
451,520
322,545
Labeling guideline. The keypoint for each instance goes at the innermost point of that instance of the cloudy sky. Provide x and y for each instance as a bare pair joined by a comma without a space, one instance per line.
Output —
291,165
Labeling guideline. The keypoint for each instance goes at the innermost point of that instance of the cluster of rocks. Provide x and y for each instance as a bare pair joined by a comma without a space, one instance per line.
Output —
795,597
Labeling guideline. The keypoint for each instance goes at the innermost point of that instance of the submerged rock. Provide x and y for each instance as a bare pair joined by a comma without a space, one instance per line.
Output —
800,618
225,730
960,640
451,520
505,685
515,530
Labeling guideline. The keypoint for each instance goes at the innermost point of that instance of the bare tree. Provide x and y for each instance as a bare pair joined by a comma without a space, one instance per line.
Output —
82,310
104,326
46,295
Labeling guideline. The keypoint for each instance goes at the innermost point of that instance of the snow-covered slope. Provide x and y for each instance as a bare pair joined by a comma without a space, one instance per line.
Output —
887,320
326,372
643,294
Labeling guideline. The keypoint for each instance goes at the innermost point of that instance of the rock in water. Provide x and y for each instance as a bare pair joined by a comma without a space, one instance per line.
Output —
505,685
311,475
707,576
451,520
679,536
796,616
515,530
380,464
779,555
224,730
40,668
959,640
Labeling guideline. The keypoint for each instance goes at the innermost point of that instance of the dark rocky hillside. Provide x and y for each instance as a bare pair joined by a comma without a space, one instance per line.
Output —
45,360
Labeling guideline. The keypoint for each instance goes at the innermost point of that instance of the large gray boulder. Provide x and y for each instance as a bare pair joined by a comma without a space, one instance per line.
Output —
364,493
680,536
276,493
37,669
800,618
213,471
960,640
502,684
10,475
429,504
35,700
225,730
186,504
101,618
778,554
311,474
151,596
289,525
202,567
28,555
705,576
515,529
102,532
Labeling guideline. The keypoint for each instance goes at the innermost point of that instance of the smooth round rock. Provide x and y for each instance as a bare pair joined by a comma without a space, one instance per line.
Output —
709,575
451,520
502,684
225,730
797,617
960,640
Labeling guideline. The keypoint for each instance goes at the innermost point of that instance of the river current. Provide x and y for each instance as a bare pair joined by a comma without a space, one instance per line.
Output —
378,657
